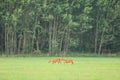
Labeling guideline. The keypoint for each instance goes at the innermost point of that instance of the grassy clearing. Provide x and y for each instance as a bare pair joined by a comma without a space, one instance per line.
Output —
38,68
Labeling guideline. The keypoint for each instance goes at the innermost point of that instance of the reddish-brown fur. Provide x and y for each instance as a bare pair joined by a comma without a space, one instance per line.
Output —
68,61
56,60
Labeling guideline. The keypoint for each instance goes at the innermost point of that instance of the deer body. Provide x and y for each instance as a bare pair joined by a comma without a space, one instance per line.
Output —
56,60
68,61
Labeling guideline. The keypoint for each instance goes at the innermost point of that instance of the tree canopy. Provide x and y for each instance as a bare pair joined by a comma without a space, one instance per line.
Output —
59,26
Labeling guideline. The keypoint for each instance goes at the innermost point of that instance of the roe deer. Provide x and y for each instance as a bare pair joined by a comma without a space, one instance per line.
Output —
68,61
56,60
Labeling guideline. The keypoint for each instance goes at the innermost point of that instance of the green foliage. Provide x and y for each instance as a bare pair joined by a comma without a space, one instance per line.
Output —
59,25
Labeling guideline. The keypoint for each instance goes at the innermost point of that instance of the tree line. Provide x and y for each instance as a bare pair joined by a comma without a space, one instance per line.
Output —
59,26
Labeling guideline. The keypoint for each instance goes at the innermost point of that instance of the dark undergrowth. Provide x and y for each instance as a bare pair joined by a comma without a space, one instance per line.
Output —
61,55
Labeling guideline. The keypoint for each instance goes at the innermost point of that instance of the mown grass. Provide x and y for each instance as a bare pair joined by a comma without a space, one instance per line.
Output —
38,68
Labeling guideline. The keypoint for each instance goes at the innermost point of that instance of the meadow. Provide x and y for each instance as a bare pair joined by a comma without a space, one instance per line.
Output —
38,68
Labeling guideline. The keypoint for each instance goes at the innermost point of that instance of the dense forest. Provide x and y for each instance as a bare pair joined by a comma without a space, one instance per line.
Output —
59,26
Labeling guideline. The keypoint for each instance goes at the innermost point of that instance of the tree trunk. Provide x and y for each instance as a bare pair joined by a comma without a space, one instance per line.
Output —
54,37
15,39
50,38
6,40
96,39
24,42
101,41
96,35
19,45
37,45
66,40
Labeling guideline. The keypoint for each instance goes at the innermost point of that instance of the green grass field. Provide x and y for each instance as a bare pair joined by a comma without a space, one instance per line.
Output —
38,68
